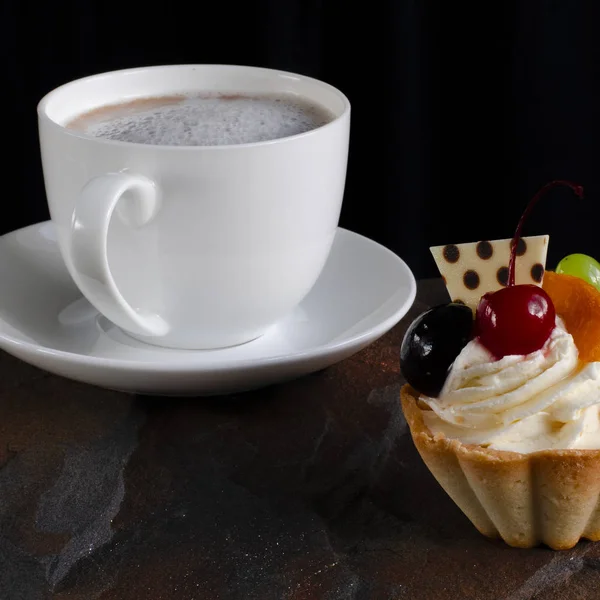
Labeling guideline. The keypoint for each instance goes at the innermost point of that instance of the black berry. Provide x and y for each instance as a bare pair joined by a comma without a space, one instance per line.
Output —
432,343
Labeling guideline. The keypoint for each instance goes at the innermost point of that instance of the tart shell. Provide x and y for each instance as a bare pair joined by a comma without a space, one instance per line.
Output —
548,497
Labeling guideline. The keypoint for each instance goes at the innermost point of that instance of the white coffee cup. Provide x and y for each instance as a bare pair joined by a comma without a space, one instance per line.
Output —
209,246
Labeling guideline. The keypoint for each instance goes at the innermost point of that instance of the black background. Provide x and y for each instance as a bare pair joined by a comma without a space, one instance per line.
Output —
461,110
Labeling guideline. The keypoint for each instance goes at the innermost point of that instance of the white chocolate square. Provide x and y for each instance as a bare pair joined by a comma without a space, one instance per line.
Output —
469,272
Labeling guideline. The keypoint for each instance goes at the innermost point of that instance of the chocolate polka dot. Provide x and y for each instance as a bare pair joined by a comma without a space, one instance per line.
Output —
537,272
521,246
459,301
502,276
451,253
471,279
485,250
444,279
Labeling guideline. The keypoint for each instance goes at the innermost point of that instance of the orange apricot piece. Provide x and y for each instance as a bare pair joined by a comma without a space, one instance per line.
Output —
577,302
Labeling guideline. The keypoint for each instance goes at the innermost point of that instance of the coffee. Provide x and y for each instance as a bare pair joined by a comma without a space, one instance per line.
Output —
203,119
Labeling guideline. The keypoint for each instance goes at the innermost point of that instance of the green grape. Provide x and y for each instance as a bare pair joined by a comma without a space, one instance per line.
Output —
582,266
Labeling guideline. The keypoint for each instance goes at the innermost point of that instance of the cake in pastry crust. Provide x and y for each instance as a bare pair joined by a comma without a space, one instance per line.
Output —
504,407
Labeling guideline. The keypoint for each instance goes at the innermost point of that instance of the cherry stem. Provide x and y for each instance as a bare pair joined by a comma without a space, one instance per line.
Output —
577,189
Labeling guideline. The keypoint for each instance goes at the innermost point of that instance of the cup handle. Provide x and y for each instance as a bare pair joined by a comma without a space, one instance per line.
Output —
138,202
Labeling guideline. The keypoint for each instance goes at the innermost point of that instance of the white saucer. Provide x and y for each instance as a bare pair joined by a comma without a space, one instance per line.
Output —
363,292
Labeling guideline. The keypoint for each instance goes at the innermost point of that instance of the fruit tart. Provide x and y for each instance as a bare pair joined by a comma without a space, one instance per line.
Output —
503,389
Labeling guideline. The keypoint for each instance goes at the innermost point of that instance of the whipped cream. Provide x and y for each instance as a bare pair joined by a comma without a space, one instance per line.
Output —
543,400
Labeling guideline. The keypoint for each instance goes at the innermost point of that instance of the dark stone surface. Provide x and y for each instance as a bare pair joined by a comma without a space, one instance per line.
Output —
308,490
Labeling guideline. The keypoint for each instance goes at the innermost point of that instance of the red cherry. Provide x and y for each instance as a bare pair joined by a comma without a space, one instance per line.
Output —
518,319
515,320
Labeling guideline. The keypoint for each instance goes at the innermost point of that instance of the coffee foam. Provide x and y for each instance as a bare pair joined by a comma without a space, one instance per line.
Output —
203,120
